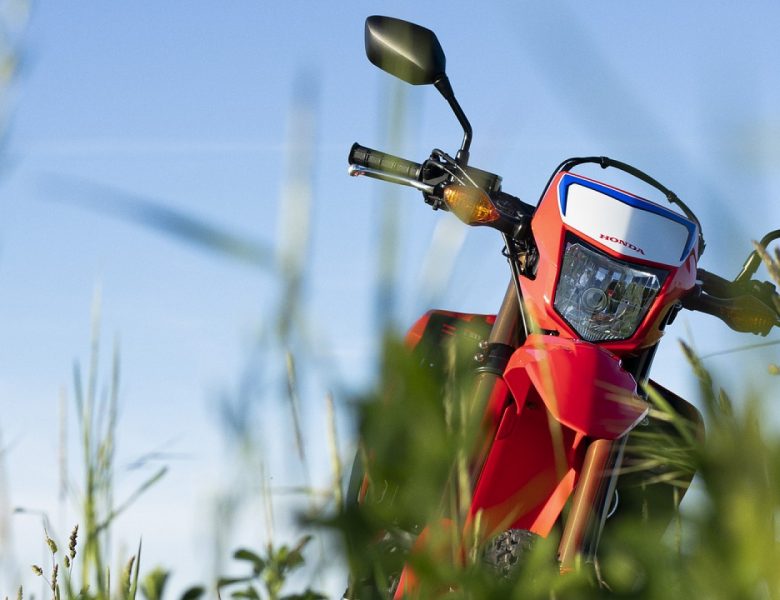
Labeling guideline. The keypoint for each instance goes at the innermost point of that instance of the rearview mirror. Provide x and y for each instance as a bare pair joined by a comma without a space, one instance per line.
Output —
408,51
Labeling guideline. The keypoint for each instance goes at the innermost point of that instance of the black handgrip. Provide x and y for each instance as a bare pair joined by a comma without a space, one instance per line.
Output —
715,285
743,313
381,161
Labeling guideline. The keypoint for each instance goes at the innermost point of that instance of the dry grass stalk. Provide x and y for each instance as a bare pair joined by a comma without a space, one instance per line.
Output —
295,409
55,593
772,265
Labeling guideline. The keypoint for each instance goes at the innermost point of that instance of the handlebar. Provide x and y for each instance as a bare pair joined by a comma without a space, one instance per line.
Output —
742,313
384,162
442,173
384,166
746,306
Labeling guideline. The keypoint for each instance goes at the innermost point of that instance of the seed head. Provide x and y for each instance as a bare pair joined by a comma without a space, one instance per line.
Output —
37,570
67,561
127,577
129,566
54,572
72,542
774,369
20,593
52,545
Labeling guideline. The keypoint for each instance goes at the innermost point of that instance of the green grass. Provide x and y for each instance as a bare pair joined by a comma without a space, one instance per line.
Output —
417,429
725,544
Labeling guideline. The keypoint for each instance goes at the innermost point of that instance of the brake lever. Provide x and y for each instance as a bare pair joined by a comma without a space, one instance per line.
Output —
357,171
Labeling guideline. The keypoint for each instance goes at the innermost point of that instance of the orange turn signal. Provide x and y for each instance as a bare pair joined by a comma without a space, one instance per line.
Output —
470,204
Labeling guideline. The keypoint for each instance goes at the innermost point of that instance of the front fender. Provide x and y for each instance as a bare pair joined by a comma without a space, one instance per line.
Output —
583,386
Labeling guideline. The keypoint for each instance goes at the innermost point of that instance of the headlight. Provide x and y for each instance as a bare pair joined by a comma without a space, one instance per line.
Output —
602,298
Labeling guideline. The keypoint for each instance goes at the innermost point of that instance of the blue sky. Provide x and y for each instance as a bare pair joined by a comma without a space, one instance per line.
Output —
188,105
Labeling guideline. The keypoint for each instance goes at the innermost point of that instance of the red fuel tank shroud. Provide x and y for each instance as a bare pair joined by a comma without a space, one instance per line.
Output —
564,390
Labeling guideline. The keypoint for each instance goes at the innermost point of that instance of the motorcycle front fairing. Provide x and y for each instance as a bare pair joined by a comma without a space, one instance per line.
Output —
562,392
611,266
555,394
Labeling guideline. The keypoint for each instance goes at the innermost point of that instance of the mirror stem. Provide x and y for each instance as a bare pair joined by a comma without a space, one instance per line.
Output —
445,89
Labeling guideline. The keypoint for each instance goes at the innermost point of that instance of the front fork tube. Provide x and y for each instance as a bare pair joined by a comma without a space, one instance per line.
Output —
506,332
590,505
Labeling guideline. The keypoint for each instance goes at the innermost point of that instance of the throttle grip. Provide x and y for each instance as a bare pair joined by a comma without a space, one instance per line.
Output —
383,162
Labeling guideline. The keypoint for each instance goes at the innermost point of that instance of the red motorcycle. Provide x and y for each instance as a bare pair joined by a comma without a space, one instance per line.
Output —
562,369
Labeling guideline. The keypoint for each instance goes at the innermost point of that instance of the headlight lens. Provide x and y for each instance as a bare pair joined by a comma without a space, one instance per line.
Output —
602,298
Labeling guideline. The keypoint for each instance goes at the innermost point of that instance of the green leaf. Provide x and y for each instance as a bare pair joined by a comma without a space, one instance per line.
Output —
307,595
153,584
302,542
258,564
249,592
226,581
134,586
294,559
193,593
